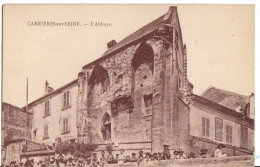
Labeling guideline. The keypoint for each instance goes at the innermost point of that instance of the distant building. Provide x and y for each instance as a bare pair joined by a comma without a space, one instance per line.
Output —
14,130
137,97
214,119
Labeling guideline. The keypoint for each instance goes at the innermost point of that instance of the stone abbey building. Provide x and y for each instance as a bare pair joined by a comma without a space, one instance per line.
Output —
137,97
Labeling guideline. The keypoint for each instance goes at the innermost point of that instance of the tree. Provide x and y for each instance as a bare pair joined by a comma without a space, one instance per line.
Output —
76,149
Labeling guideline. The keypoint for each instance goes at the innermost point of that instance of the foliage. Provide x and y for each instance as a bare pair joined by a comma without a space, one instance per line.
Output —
76,149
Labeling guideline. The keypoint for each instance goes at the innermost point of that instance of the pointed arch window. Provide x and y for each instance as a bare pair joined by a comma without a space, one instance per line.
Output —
106,127
100,76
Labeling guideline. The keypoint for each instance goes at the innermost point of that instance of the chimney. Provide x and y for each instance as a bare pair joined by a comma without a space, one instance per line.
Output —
48,89
111,44
252,106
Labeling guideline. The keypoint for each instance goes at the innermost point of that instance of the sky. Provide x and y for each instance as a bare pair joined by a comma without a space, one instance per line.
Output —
219,39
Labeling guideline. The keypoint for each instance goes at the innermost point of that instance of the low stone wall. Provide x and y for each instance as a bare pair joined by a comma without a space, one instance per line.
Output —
235,161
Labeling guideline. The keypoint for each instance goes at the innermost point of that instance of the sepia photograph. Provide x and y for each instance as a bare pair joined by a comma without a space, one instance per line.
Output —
128,85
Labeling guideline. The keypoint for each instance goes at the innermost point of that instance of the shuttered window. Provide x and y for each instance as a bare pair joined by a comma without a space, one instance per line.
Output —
244,137
229,134
218,129
47,108
46,131
205,127
65,128
66,99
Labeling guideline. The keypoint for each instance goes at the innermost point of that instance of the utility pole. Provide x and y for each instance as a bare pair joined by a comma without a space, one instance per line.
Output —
26,108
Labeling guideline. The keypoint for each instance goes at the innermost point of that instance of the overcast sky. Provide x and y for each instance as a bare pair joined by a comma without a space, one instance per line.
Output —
219,39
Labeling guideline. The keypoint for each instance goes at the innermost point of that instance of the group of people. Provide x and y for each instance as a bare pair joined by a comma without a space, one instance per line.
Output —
60,160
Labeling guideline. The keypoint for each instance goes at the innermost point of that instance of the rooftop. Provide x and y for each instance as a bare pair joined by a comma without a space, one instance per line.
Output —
220,108
225,98
137,35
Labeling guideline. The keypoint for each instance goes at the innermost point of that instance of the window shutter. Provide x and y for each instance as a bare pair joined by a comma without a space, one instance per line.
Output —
69,97
203,127
208,127
62,124
68,124
49,107
64,99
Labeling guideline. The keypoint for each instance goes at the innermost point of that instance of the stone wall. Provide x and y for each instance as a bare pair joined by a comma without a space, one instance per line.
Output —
12,152
236,161
128,124
142,100
14,123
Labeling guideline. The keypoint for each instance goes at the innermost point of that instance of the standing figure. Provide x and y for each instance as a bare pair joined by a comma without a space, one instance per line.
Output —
218,151
140,156
102,158
166,152
133,158
110,157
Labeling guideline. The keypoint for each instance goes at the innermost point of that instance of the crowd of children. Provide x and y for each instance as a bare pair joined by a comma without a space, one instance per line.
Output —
104,159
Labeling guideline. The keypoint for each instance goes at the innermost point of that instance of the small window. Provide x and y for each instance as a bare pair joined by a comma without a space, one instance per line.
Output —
148,101
229,134
46,108
205,127
46,131
66,99
65,128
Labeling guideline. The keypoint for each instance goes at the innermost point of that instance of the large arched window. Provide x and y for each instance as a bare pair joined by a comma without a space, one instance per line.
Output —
144,54
106,127
100,76
143,66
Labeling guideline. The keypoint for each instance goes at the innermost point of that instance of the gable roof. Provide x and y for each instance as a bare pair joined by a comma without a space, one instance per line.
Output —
137,35
220,108
225,98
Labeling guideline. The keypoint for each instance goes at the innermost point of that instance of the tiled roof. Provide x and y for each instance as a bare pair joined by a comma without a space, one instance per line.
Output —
220,108
147,29
142,32
226,98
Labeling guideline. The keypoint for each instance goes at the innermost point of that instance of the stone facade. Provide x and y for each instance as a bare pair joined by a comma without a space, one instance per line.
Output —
14,129
141,98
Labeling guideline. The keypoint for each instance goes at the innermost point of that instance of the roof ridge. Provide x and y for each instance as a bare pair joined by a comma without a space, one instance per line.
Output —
204,91
136,35
227,91
235,113
138,30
